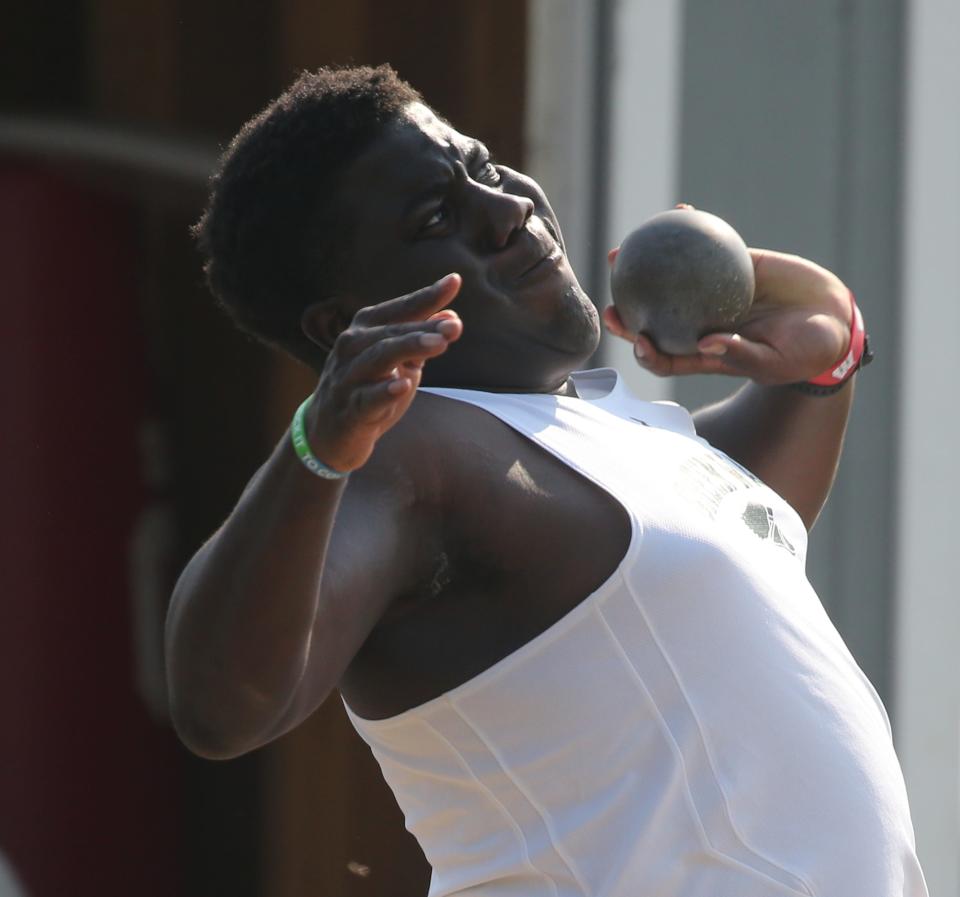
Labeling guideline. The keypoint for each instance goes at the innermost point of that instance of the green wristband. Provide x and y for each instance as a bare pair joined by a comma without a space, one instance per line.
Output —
298,436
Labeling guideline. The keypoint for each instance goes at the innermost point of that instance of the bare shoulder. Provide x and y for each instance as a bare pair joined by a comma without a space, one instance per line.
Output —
420,460
416,500
390,523
399,512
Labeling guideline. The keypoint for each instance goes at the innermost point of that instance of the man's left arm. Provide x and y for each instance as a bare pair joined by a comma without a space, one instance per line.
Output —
790,441
798,327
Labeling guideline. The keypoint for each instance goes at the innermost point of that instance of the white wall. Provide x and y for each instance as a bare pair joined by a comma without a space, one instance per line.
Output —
927,700
559,144
642,165
634,174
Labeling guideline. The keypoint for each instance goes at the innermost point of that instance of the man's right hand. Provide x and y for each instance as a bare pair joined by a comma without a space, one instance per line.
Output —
373,371
271,610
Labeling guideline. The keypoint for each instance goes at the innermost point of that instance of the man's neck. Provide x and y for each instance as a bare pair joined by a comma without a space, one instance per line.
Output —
566,388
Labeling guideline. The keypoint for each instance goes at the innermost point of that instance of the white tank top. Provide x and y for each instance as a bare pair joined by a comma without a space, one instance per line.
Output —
695,727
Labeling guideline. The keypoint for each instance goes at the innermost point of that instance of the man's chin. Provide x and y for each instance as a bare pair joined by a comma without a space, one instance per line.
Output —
578,324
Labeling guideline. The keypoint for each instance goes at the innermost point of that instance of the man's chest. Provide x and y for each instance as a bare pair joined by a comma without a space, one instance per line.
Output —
525,538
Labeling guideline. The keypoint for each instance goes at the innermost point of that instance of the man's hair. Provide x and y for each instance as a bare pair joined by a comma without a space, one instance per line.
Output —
274,234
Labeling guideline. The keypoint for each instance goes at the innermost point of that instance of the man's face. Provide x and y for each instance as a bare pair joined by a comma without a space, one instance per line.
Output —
424,201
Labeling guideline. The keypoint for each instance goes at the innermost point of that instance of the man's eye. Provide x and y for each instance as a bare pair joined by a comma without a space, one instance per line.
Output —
437,218
489,174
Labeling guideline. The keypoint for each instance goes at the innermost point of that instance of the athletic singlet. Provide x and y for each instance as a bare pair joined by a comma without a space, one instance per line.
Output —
695,727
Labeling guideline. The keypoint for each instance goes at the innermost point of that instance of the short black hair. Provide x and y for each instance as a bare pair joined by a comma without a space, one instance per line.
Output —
272,236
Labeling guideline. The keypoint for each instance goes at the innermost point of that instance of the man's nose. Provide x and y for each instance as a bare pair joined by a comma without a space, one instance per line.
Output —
498,216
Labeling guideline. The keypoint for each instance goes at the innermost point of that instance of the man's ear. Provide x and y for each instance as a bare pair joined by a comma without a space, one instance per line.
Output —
324,321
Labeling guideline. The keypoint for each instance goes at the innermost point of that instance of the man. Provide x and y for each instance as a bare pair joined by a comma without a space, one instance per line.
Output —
576,633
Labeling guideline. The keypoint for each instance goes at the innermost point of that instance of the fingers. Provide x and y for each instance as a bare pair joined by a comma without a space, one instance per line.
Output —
444,313
373,370
397,356
372,363
719,353
375,401
398,335
369,382
415,306
364,410
614,323
355,340
663,365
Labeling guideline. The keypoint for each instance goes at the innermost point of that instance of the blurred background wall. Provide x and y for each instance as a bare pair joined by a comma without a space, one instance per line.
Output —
133,414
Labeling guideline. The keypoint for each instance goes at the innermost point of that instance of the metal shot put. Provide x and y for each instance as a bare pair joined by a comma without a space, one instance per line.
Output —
681,275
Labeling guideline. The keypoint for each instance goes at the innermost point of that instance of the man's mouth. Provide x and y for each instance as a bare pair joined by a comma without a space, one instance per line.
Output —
551,259
543,255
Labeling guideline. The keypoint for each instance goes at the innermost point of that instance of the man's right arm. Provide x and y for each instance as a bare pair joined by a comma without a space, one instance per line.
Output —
293,582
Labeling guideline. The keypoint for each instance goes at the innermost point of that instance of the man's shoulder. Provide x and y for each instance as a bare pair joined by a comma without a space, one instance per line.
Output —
424,456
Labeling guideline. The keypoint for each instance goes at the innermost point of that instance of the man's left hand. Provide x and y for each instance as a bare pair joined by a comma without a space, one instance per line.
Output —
797,327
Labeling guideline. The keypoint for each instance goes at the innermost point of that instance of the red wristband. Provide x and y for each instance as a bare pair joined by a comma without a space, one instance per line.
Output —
843,370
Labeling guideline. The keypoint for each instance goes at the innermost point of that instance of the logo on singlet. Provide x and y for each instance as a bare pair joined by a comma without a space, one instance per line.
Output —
760,519
713,481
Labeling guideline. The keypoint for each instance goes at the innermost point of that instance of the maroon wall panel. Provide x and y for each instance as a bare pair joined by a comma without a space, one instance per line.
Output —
89,785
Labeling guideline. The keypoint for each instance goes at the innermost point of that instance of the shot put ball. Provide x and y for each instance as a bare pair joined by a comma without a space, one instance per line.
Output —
681,275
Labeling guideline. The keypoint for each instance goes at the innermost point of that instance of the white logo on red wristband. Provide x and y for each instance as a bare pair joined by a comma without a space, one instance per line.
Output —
851,360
